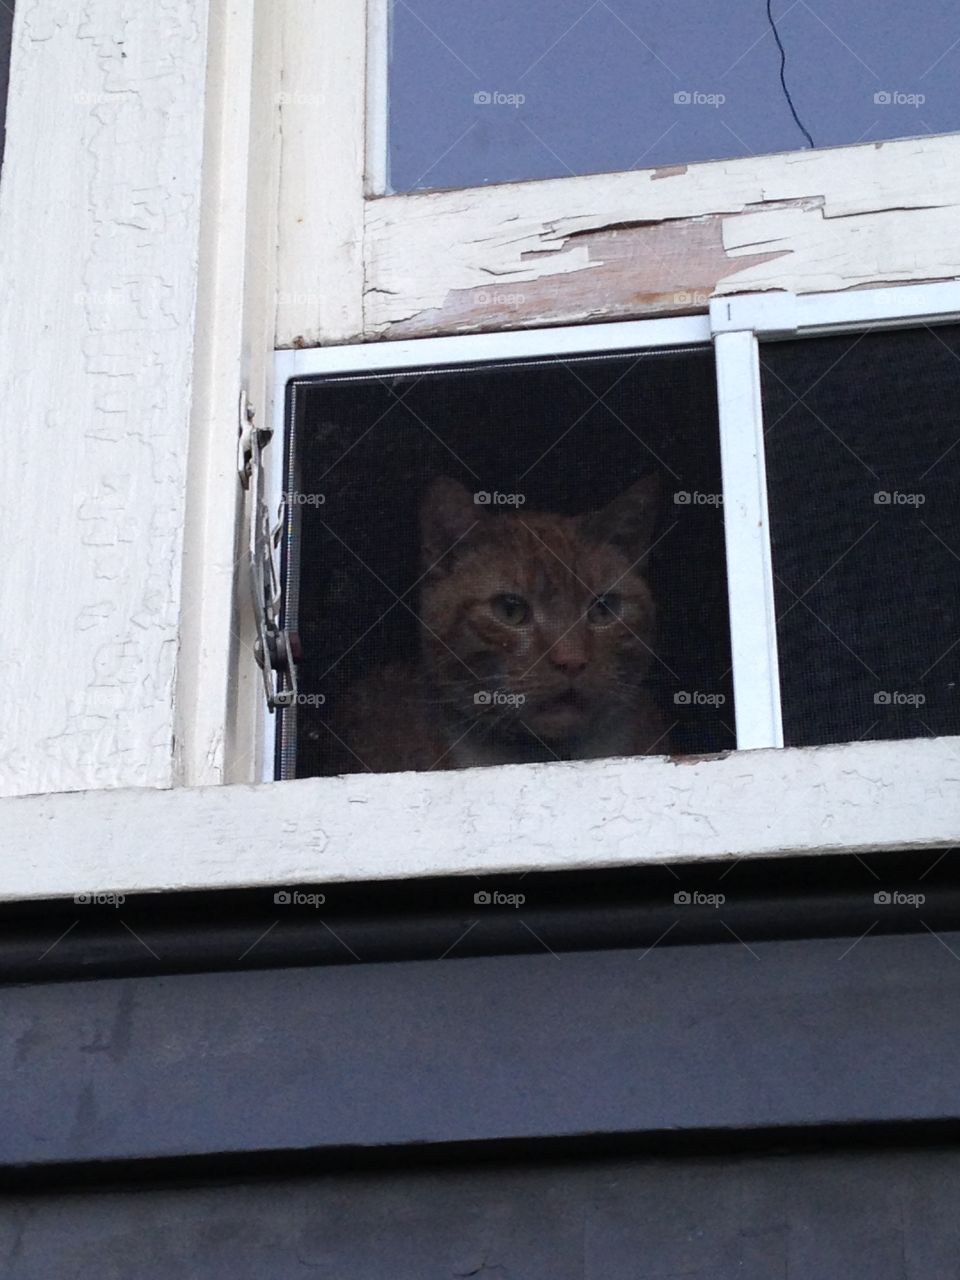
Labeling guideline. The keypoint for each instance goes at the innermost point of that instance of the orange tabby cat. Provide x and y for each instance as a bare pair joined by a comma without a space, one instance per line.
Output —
537,634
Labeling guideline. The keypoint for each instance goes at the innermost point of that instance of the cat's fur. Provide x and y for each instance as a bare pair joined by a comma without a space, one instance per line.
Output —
580,673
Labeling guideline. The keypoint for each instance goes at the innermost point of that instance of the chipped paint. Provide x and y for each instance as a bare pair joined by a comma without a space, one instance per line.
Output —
629,245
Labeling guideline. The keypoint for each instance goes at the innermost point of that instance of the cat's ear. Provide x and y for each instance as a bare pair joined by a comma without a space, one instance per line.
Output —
447,513
630,519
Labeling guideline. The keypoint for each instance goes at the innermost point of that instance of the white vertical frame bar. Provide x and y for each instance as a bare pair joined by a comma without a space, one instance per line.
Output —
217,677
320,272
753,622
102,247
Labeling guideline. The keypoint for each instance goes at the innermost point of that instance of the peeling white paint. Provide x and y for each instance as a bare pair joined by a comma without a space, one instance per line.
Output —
98,267
828,220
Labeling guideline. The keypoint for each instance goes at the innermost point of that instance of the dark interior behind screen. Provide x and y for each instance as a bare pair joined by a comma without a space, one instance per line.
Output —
570,435
863,467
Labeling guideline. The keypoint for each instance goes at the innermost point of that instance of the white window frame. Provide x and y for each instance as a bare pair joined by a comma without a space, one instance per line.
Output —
425,264
735,327
851,798
263,117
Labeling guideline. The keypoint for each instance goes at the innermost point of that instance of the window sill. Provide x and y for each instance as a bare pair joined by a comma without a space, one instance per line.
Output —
865,796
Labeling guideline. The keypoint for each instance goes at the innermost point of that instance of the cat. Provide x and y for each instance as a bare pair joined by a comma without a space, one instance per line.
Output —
537,635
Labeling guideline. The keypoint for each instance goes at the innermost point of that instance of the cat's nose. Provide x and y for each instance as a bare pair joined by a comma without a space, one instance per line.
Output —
569,656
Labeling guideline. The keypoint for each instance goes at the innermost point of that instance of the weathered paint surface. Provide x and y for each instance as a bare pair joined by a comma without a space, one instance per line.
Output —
99,230
867,796
663,241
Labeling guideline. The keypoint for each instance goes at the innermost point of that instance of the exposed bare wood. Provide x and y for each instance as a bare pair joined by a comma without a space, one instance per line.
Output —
662,241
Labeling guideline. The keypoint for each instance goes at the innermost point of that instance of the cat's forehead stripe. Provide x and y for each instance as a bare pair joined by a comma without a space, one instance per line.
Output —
552,554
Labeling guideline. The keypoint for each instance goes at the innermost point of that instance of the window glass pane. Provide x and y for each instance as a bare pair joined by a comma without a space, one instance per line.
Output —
863,465
501,91
399,640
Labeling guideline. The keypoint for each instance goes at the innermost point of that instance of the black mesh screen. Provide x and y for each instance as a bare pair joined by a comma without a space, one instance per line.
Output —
570,435
863,466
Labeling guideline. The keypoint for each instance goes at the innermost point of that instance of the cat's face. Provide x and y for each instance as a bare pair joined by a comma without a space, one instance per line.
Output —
537,626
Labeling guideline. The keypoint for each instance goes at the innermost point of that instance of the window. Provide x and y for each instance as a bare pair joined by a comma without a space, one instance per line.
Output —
758,577
266,120
567,435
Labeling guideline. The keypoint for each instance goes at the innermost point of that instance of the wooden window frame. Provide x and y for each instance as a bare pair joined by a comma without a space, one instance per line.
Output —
279,241
601,247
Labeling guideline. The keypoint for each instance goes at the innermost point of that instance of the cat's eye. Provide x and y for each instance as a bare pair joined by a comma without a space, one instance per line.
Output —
513,610
605,609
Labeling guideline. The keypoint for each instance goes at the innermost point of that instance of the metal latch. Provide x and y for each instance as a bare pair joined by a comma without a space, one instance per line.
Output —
277,651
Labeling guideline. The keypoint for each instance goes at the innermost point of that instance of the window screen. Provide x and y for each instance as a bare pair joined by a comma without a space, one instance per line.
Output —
863,466
366,455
